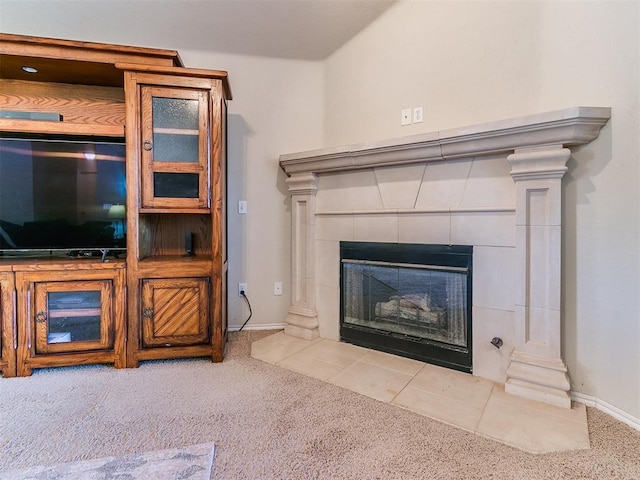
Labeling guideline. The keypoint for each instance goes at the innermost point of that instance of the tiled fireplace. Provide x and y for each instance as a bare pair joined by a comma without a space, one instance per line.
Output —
495,187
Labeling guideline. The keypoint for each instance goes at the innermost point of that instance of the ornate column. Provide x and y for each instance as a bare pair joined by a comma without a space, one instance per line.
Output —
302,318
537,370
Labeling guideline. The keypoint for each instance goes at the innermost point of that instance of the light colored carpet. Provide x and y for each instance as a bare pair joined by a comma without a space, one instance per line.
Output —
270,423
187,463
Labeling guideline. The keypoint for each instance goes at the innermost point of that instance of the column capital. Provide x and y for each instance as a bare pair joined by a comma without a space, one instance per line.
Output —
533,163
303,183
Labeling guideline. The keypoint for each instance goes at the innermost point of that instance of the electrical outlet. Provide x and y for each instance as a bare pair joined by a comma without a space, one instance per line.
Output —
277,288
405,116
242,287
417,115
242,207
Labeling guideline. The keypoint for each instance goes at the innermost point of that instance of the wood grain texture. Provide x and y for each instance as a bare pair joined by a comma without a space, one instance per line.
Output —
174,312
7,324
61,48
68,61
78,104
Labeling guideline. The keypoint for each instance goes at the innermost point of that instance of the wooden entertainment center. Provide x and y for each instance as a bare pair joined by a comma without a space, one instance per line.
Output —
166,298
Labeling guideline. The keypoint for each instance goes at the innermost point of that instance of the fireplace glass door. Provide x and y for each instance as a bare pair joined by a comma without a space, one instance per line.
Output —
419,310
420,302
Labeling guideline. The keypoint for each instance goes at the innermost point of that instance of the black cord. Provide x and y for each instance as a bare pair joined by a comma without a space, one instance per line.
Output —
250,311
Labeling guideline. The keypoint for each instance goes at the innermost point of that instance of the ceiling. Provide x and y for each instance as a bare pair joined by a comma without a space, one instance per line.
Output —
295,29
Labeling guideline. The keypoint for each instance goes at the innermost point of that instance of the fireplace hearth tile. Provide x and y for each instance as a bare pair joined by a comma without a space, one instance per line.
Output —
393,362
533,426
372,380
277,347
336,353
310,366
458,399
457,386
576,413
439,407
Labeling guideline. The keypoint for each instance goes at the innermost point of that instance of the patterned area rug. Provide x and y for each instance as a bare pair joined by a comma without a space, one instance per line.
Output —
187,463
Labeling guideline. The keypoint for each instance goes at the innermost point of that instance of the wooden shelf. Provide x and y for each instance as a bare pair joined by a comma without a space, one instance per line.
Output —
60,128
170,266
197,211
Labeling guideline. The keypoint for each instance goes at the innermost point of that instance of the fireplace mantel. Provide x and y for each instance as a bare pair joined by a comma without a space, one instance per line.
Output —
568,127
535,147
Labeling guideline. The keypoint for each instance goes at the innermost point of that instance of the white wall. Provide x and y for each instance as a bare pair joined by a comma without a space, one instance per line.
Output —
476,61
277,108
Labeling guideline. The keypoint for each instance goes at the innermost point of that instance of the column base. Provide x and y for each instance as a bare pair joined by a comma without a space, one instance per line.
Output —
302,323
539,379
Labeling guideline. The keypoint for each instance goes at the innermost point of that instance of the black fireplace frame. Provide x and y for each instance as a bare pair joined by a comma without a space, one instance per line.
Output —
426,350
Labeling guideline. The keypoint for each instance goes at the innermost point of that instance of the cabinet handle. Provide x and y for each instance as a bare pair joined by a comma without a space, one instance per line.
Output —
147,312
147,145
41,317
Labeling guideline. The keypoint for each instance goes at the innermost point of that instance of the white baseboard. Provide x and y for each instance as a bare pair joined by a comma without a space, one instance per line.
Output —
607,408
262,326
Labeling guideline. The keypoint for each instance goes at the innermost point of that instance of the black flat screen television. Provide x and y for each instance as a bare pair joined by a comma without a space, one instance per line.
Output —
61,195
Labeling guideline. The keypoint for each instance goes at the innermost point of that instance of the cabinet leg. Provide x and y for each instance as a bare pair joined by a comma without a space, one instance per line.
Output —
216,356
8,373
132,362
24,371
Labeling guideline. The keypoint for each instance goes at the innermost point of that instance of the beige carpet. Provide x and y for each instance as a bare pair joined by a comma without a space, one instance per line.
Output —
269,423
187,463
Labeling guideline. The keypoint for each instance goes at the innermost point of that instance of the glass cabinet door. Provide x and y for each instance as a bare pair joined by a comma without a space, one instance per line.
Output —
72,316
175,125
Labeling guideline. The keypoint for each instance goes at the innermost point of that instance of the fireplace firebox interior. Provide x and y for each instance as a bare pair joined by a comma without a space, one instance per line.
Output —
408,299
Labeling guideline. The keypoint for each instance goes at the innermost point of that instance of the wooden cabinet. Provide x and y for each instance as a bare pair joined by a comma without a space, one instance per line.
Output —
7,323
68,317
176,245
169,299
175,312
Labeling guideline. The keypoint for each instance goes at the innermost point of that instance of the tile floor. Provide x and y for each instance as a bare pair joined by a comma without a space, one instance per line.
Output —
462,400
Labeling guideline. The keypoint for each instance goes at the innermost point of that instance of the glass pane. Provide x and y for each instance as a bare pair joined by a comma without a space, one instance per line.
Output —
421,303
175,185
175,113
73,316
175,130
175,148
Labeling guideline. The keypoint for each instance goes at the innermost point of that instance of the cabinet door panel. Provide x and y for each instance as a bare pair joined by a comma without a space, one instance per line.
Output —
72,316
175,312
175,147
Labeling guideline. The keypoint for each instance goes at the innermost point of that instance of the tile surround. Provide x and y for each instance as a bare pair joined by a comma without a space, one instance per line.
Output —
458,399
399,188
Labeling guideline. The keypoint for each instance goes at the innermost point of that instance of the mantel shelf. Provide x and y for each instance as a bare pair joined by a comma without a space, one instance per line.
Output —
567,127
